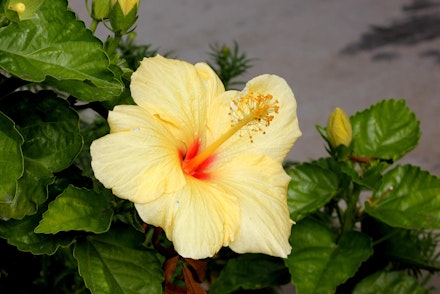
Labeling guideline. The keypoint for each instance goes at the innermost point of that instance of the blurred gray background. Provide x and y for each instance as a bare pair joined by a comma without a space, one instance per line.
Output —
343,53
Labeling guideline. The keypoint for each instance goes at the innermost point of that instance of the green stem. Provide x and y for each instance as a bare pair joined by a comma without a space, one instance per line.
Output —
349,217
94,25
114,44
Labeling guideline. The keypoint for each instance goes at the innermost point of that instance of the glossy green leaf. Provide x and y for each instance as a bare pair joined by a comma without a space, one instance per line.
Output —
11,159
115,262
20,233
387,130
390,283
77,209
31,191
311,188
408,198
250,272
50,127
52,141
56,47
317,263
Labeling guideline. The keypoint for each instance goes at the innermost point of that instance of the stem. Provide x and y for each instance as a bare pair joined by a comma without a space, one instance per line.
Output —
94,25
114,44
349,217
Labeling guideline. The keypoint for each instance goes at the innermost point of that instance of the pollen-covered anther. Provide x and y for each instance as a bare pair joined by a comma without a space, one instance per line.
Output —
253,113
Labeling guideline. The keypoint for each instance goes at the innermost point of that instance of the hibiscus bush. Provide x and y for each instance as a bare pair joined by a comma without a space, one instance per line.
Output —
129,175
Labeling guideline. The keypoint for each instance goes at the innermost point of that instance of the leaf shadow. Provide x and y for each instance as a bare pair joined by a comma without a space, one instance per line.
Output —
420,23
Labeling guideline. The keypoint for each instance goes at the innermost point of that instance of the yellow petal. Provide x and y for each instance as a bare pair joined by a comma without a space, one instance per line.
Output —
177,92
133,159
212,84
274,140
199,219
260,185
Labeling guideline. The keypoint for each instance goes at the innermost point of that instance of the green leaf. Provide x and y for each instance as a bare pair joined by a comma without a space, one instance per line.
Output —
52,141
389,282
378,133
317,264
20,233
311,188
57,48
371,175
408,248
408,198
115,263
31,191
11,158
77,209
48,124
249,272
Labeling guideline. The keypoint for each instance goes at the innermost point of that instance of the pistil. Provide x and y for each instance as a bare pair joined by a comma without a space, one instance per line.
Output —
249,110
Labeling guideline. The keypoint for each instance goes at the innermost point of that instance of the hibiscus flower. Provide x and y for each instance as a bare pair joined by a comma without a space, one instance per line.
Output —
200,162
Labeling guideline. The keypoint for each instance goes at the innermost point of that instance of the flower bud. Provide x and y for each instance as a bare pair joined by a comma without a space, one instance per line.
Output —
339,130
100,9
226,51
18,10
123,14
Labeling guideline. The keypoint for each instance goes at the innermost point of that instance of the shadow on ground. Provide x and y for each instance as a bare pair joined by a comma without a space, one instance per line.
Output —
421,23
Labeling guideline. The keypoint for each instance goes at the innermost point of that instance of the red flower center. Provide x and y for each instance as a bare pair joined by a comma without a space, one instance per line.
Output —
191,163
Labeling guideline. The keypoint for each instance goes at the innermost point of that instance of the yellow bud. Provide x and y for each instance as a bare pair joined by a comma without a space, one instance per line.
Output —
126,5
123,15
339,128
19,8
